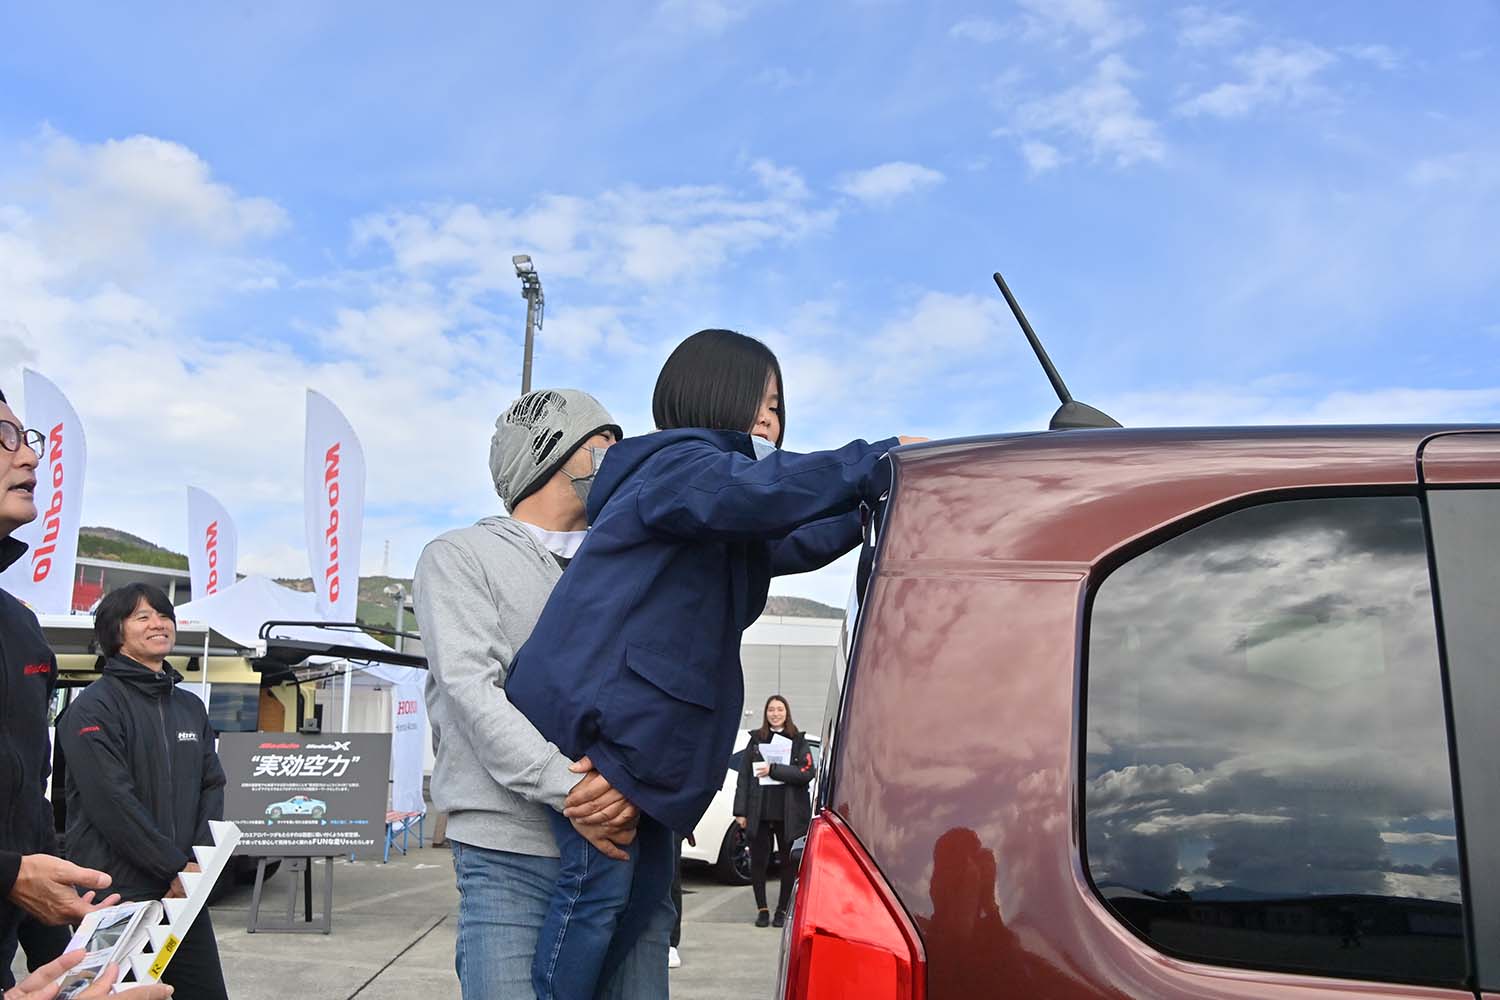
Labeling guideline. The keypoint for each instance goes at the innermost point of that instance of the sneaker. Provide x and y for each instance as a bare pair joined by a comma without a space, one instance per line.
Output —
674,960
763,919
780,919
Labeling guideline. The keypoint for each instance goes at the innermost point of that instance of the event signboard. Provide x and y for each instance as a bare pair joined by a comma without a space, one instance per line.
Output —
300,794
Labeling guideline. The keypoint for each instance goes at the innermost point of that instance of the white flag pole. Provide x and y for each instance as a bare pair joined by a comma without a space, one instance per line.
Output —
348,682
205,667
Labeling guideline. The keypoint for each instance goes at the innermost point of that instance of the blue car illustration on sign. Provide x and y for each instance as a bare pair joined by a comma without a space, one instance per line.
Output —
297,805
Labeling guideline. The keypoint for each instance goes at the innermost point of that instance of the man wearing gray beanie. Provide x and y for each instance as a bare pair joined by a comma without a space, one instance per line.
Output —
479,592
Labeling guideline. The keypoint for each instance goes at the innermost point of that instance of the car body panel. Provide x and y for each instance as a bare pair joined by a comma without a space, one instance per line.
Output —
1472,457
978,833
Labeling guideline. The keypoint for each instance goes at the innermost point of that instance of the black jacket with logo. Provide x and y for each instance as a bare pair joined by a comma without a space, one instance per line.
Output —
143,778
787,803
28,673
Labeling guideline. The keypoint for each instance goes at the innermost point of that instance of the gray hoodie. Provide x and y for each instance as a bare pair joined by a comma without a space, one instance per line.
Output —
478,593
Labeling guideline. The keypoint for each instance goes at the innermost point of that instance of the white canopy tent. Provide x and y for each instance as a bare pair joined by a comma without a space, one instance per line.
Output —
241,612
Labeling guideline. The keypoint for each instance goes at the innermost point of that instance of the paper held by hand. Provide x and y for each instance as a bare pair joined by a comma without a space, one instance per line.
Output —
778,751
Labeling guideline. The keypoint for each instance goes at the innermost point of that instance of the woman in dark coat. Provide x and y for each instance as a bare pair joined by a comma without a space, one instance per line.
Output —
781,810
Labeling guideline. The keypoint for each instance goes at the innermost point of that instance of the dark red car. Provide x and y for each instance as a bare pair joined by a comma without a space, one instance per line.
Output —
1167,714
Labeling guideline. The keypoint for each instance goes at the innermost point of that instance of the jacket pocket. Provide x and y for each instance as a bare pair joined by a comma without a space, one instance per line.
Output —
660,715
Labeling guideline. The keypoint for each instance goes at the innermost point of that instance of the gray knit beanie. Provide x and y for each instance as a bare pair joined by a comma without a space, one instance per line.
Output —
536,436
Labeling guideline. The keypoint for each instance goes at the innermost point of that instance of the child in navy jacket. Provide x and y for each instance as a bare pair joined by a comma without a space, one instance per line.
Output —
635,661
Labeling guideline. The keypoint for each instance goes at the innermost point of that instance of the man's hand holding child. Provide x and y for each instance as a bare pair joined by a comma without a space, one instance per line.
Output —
599,812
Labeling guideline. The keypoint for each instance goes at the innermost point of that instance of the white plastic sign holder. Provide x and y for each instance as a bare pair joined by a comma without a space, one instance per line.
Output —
147,964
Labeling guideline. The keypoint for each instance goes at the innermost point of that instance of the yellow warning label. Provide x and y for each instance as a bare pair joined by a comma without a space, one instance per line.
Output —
164,956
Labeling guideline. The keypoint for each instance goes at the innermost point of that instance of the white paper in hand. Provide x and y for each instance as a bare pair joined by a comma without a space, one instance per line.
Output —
778,751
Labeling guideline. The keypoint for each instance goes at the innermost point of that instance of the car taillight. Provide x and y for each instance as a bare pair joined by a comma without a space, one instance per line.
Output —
849,936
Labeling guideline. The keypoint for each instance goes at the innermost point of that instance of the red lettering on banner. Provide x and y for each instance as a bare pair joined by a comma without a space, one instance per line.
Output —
406,708
211,545
41,559
331,535
280,746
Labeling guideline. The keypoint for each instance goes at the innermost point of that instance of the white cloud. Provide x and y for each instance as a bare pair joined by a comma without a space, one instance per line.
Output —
1040,156
783,182
623,236
1199,27
579,332
979,29
889,181
713,17
940,334
157,182
1381,56
1272,76
1099,21
124,207
1476,172
1103,113
780,78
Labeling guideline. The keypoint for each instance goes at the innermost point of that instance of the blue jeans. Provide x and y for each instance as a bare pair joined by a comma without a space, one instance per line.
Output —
600,907
503,899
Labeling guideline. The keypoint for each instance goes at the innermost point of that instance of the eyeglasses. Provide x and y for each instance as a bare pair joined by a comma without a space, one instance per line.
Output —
12,434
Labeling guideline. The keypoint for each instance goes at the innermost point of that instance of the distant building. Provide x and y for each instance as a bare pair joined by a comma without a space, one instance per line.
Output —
792,657
97,577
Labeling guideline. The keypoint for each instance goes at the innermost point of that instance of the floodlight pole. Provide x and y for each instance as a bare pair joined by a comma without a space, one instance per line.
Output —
397,593
536,302
530,339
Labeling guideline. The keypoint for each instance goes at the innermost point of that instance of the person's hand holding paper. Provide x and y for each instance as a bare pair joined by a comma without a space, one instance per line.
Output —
777,751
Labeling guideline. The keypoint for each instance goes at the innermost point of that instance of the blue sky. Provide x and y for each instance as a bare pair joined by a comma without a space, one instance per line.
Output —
1213,214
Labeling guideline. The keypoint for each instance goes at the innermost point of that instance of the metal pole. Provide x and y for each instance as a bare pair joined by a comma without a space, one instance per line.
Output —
348,682
400,623
205,667
530,334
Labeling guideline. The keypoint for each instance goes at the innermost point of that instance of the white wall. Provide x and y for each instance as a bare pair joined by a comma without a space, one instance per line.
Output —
792,657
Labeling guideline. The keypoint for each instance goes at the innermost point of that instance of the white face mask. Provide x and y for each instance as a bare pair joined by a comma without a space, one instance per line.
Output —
583,484
762,447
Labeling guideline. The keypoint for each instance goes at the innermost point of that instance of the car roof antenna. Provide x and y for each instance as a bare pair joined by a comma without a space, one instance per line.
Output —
1071,415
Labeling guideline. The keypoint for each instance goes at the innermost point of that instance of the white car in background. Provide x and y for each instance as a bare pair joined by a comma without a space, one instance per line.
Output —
721,842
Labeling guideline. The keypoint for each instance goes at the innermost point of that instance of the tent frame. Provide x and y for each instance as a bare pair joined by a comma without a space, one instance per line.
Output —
289,652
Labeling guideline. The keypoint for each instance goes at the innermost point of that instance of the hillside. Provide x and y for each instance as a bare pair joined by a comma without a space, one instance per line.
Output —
800,607
123,547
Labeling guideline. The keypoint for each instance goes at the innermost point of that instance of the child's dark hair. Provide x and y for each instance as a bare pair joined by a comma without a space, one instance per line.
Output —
120,604
716,379
2,397
789,728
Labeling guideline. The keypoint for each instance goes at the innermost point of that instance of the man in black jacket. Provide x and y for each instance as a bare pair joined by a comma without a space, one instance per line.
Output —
33,881
143,777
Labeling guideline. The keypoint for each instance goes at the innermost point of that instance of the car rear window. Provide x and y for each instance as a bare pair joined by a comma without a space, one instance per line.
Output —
1267,780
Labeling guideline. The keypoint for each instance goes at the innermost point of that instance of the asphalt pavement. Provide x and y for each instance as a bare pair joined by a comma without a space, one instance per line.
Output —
393,930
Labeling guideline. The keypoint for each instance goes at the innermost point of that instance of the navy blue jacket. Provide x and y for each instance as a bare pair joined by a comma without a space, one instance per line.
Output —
635,660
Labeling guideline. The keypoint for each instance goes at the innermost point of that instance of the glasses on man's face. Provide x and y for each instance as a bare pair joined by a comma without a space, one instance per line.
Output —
12,434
